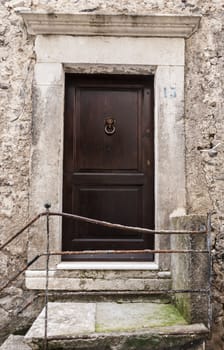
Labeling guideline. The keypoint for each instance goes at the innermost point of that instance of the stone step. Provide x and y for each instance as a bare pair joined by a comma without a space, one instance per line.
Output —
114,325
101,280
15,342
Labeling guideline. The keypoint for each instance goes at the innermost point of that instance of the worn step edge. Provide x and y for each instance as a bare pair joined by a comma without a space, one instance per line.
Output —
109,296
155,339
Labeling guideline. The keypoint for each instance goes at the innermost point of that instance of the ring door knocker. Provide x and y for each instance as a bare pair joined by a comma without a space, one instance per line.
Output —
109,126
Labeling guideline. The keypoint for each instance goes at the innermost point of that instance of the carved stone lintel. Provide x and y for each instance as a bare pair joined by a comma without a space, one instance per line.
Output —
109,25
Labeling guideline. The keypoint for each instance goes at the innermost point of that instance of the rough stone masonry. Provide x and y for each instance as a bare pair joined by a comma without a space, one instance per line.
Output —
204,128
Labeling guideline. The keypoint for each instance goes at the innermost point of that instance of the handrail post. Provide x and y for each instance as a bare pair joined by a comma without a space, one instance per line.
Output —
210,263
45,342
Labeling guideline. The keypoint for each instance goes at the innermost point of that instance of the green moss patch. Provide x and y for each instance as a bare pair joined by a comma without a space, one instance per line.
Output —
113,317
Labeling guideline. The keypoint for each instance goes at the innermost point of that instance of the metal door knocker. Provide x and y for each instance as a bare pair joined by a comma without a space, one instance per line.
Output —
109,126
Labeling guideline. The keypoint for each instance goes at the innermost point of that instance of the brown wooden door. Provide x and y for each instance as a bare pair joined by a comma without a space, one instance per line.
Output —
108,174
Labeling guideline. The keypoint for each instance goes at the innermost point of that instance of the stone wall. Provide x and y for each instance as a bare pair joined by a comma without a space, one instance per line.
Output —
204,129
16,66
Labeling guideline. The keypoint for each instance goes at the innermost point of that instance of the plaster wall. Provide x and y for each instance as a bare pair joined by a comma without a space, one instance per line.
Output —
204,128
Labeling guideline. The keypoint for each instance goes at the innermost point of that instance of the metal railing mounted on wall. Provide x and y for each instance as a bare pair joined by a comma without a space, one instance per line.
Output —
205,231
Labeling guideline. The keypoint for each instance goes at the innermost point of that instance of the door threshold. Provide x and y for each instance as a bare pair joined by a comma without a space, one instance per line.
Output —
107,265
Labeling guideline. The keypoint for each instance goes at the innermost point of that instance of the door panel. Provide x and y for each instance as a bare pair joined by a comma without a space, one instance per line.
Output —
97,150
108,176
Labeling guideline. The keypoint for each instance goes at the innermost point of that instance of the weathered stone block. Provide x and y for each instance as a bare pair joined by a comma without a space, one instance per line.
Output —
190,271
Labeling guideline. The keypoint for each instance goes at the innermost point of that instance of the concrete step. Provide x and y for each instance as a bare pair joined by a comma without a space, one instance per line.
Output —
115,325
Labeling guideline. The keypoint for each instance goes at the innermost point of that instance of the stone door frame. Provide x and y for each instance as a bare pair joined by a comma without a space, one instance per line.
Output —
96,44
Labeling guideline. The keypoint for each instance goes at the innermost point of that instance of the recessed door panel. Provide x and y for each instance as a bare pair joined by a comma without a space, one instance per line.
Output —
100,150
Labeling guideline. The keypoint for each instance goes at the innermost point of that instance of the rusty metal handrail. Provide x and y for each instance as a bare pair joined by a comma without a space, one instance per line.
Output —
86,252
47,213
101,223
18,233
48,253
125,227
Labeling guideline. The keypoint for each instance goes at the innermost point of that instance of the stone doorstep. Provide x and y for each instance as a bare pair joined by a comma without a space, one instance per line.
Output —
99,280
106,325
